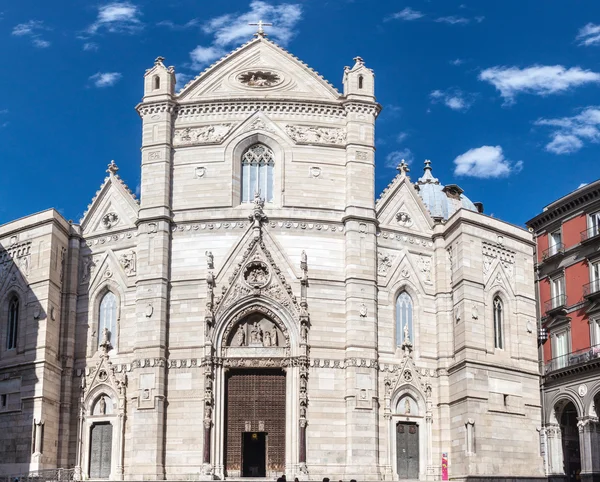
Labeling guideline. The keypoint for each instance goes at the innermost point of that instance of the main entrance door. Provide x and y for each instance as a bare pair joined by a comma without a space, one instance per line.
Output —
100,450
255,438
407,450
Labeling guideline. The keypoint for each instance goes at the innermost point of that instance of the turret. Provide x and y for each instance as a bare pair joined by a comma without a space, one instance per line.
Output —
159,81
359,81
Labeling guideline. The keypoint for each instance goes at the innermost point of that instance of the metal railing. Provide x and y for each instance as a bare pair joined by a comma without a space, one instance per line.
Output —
555,303
591,288
574,358
553,251
590,233
47,475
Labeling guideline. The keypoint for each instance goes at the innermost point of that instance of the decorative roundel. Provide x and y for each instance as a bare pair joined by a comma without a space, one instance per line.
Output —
257,274
582,390
102,375
259,78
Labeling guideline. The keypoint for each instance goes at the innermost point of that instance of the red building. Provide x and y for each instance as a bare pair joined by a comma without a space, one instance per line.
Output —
567,234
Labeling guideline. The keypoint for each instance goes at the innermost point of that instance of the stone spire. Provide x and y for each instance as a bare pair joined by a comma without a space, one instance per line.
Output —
112,169
427,177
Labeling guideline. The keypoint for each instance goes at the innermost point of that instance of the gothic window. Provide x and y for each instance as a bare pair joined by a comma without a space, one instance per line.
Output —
498,323
13,324
156,82
404,319
108,319
360,81
257,173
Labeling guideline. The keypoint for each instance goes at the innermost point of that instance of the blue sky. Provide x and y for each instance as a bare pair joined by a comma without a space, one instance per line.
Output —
501,96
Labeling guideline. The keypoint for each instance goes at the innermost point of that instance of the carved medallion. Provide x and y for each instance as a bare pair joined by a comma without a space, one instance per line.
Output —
582,390
259,78
256,274
109,220
404,219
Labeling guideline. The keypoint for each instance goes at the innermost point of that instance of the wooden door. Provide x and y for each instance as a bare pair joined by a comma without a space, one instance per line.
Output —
407,450
100,450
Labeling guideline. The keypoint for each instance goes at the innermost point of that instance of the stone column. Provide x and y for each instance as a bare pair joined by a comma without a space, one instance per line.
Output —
589,447
554,448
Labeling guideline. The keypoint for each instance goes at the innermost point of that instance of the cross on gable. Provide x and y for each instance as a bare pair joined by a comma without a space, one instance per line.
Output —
260,24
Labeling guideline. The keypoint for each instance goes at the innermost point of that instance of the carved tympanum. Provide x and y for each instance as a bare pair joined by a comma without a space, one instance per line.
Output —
256,331
256,274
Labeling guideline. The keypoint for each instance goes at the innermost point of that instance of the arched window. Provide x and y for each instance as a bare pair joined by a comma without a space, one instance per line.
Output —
257,173
156,82
13,324
108,319
498,323
404,320
360,81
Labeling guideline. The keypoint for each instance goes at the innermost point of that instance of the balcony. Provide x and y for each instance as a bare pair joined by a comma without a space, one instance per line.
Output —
590,233
558,248
556,305
578,357
592,290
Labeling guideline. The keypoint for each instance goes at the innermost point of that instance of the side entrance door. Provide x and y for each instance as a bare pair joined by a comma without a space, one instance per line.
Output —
407,450
100,450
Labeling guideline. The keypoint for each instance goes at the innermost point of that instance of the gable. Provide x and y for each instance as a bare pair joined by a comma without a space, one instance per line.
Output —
258,68
113,208
400,207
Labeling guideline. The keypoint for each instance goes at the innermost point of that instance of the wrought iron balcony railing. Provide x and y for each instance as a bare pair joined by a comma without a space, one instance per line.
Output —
46,475
574,358
590,233
592,289
558,248
555,304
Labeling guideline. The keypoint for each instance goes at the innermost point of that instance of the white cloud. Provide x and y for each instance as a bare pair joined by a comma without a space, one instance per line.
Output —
457,62
407,14
589,35
479,18
396,157
3,111
117,17
401,137
174,26
232,29
453,20
570,133
90,46
32,29
485,162
455,99
105,79
182,79
537,79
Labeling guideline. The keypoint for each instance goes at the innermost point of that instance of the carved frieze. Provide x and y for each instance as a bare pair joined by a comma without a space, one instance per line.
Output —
384,263
258,125
259,78
128,263
207,134
424,263
316,134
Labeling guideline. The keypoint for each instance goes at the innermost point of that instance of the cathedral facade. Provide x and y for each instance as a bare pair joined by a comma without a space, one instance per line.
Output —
259,312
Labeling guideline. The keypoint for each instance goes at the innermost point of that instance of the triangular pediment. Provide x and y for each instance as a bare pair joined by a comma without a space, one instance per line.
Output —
256,69
401,207
404,268
113,208
500,274
256,268
109,267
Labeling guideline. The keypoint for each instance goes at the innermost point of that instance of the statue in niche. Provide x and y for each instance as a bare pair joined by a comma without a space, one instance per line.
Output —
256,334
267,338
274,341
241,336
102,405
407,406
406,335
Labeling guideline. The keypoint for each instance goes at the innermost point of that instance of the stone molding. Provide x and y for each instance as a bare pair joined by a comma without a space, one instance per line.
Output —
251,106
303,225
406,239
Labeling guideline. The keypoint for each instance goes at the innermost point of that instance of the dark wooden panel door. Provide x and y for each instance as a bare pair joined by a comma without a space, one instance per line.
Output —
255,403
407,450
100,450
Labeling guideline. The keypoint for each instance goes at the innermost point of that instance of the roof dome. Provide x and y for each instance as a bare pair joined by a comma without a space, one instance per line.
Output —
442,201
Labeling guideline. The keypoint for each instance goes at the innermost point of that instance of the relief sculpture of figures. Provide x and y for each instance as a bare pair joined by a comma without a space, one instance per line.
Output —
241,336
274,341
256,334
267,339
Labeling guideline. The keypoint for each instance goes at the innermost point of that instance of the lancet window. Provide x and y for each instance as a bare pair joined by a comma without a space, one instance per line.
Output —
404,320
108,319
498,323
258,162
13,324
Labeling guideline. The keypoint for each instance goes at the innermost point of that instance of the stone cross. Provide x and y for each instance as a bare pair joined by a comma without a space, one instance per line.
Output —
403,167
260,24
112,168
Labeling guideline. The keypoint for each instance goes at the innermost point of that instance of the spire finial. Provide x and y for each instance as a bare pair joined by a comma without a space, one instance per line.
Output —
403,168
427,165
427,177
159,60
359,60
112,168
260,24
